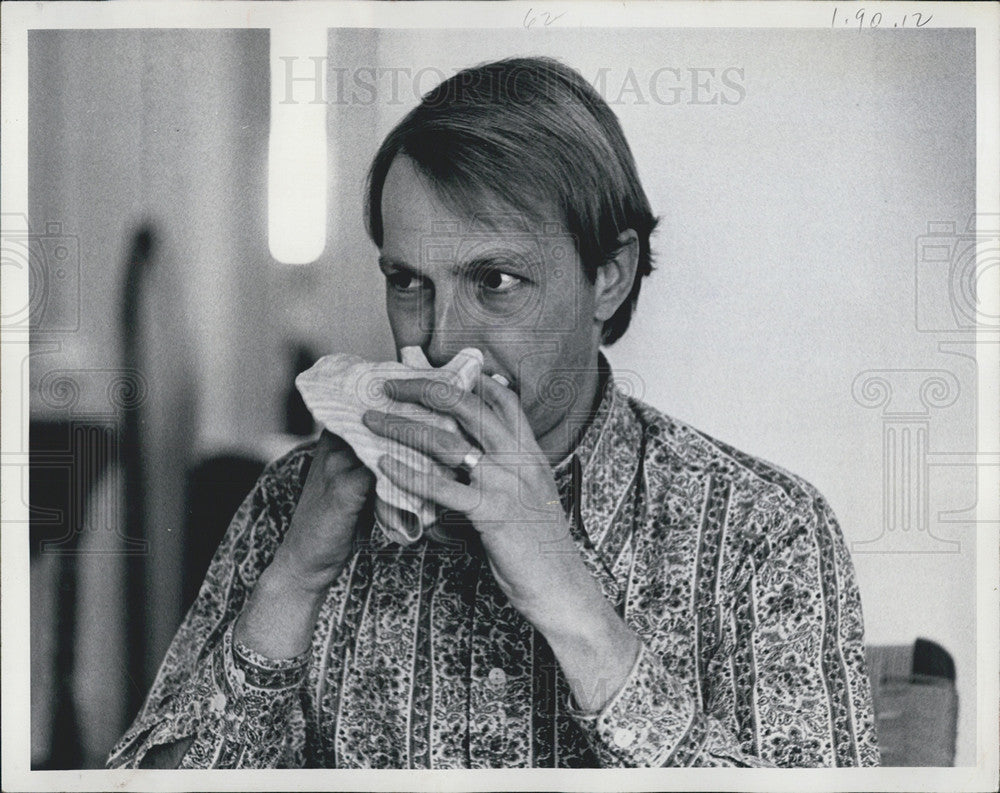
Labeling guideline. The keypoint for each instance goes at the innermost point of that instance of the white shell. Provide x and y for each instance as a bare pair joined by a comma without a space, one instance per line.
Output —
338,390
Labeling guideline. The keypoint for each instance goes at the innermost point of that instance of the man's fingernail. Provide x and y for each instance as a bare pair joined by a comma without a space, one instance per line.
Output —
501,379
389,388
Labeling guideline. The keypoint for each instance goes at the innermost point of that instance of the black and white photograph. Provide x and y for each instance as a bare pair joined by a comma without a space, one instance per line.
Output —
399,394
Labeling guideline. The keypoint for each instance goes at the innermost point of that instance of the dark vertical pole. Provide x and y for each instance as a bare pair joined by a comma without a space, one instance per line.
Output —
65,746
131,449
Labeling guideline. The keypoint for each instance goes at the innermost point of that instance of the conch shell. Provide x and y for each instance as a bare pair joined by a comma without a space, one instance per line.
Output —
338,389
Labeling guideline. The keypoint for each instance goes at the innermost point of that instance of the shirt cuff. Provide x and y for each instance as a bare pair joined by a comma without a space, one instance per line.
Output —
248,669
242,716
650,722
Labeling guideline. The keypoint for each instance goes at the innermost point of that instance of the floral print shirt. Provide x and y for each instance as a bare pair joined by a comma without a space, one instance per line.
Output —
733,573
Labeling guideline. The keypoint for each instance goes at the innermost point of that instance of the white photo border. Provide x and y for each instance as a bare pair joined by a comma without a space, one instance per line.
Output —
19,18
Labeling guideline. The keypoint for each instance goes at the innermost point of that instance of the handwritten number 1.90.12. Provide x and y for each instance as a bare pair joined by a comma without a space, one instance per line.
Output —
863,19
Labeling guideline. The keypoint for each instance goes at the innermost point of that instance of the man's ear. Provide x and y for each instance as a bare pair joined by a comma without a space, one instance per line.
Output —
616,276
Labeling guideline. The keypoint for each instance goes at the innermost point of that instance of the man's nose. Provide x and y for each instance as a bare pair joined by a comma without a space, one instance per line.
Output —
452,329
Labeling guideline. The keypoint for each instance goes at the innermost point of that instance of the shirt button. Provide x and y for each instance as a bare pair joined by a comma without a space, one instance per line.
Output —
623,737
218,702
497,677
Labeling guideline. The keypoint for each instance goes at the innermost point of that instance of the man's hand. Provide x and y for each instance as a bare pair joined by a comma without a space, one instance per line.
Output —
512,501
280,615
321,536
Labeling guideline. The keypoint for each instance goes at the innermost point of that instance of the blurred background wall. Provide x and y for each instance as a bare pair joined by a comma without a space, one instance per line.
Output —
796,173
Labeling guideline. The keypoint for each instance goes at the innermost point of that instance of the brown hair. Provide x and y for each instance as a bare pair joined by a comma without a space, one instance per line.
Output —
531,132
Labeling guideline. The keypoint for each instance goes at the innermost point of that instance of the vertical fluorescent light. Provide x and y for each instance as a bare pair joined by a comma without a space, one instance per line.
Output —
297,166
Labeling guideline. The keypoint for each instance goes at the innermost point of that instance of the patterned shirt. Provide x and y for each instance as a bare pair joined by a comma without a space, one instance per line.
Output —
733,573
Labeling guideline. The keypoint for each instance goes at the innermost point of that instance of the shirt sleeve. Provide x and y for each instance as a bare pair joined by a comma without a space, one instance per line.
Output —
785,683
228,706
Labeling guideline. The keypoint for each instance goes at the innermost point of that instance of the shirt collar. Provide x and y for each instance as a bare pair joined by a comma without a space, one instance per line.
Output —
596,424
598,477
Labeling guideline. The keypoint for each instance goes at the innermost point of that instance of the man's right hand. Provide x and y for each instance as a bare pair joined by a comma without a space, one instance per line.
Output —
321,536
280,615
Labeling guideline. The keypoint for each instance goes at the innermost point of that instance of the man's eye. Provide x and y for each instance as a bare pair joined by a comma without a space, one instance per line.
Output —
403,282
497,282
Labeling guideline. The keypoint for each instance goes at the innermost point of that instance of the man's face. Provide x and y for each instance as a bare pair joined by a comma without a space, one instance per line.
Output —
510,285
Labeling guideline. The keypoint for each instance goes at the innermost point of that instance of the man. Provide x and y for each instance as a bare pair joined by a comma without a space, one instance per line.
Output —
611,587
